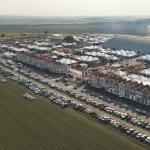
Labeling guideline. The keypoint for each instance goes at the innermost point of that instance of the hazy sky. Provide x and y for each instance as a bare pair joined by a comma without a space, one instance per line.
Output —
74,7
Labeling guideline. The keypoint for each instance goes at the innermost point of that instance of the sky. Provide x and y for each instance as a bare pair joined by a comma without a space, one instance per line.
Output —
75,7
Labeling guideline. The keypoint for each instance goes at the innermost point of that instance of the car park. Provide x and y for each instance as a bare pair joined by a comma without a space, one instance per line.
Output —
64,102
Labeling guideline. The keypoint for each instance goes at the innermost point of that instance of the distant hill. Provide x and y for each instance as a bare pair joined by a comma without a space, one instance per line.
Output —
31,20
110,25
143,21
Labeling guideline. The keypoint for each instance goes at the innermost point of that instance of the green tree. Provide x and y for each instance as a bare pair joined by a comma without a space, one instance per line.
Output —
2,35
46,32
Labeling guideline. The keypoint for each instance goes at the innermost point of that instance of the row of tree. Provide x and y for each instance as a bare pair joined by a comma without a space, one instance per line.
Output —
68,39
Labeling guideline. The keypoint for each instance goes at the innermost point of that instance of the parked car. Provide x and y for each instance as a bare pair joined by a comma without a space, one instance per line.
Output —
74,87
83,90
109,100
101,97
125,105
140,111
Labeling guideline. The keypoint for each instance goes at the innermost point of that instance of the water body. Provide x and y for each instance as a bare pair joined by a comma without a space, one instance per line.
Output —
129,43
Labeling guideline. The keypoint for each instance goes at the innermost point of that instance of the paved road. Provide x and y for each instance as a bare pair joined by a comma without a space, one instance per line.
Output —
115,104
89,106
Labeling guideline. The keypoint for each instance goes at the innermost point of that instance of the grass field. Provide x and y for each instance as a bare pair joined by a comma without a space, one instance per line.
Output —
7,33
40,125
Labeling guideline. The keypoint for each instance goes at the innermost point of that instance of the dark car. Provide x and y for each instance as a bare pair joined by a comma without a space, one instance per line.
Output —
144,124
92,94
128,118
57,80
135,133
74,87
122,128
125,129
66,84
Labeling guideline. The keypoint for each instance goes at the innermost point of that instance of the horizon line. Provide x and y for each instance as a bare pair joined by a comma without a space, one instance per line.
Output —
76,16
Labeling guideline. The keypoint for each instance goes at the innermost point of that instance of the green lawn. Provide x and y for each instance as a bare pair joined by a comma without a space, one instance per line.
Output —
40,125
15,34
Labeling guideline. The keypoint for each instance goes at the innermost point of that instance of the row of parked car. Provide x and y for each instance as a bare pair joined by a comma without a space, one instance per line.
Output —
2,80
38,89
63,102
29,97
103,107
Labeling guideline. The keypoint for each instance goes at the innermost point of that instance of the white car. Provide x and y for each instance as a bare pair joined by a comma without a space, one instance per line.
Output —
101,97
139,135
147,139
125,105
83,90
109,100
148,126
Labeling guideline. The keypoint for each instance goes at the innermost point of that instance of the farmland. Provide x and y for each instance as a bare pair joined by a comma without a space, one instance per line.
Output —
40,125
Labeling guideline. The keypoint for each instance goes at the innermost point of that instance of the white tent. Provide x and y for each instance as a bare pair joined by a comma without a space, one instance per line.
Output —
132,76
120,73
140,79
146,71
54,57
67,61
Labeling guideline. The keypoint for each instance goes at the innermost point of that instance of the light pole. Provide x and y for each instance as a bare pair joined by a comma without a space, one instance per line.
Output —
137,112
87,90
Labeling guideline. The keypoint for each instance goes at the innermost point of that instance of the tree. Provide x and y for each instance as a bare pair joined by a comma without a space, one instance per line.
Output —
45,33
2,35
69,39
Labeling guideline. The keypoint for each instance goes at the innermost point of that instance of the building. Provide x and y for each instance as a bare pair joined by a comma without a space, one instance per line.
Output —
128,89
46,63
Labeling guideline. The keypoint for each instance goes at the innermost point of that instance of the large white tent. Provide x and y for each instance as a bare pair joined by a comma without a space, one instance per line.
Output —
124,53
120,73
66,61
146,71
144,58
103,55
87,58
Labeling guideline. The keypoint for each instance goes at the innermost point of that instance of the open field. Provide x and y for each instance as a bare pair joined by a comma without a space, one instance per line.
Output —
103,28
75,25
41,125
42,20
15,34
